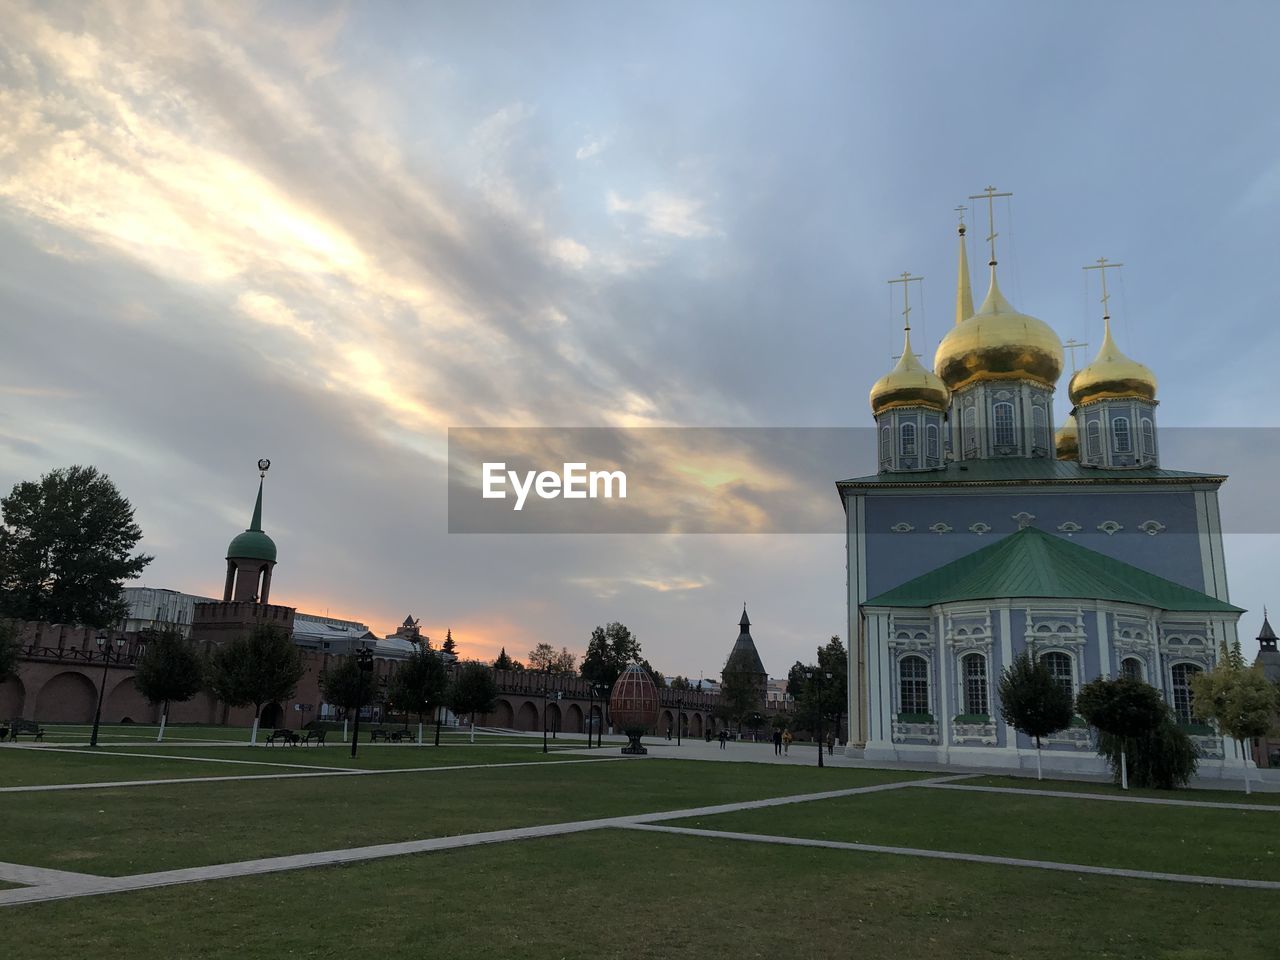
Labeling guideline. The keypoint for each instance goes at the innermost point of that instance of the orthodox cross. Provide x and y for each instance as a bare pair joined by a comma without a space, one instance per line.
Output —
1102,266
906,279
1073,345
989,194
960,211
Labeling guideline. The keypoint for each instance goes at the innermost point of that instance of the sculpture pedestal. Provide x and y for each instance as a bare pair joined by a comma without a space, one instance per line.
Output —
634,747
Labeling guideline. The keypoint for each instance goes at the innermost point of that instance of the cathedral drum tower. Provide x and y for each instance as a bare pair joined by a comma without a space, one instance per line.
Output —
983,535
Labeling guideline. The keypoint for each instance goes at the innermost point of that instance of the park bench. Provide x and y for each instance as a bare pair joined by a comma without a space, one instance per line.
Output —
283,736
314,736
19,725
377,735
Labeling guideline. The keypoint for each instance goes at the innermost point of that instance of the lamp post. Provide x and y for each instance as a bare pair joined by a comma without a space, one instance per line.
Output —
679,717
105,647
547,696
602,692
364,663
591,710
817,675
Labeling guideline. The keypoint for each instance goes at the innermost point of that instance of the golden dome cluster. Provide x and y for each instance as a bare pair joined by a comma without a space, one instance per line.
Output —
908,384
1066,442
998,343
1111,376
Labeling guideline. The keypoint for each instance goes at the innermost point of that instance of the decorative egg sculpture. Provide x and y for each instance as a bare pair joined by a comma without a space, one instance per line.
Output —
633,705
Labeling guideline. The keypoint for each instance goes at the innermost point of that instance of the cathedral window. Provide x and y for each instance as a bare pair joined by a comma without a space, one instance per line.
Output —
1093,439
886,438
1131,668
1148,436
913,676
1059,665
975,685
970,428
1002,414
1120,431
1182,674
931,442
907,434
1040,426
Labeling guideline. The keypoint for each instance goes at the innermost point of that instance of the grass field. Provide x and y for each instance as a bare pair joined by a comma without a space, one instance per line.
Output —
615,892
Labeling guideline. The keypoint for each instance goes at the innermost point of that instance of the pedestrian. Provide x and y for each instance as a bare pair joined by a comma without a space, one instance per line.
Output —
831,744
723,738
786,741
777,742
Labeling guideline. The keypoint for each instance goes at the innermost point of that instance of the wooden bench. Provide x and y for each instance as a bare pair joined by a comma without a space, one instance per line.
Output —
283,736
377,735
315,736
19,725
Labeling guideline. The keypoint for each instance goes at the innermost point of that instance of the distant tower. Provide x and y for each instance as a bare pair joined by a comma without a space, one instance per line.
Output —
744,659
251,556
1268,655
1115,403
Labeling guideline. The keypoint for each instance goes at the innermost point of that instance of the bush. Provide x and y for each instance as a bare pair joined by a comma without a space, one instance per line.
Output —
1165,758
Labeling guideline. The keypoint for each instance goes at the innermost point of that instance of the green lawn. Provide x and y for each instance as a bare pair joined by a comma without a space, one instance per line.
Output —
618,895
1225,843
119,831
1076,786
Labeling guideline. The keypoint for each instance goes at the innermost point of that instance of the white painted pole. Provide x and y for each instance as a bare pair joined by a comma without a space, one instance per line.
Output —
419,733
1039,771
1124,771
344,729
163,717
473,728
1244,758
253,737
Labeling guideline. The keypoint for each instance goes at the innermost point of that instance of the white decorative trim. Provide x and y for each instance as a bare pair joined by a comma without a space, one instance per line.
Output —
1069,527
902,527
941,527
1109,527
980,528
1152,527
1023,519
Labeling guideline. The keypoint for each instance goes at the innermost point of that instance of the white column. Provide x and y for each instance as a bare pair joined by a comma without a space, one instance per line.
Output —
1006,653
1104,646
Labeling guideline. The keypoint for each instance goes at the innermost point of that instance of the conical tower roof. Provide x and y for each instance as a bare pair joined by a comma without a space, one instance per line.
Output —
253,544
744,654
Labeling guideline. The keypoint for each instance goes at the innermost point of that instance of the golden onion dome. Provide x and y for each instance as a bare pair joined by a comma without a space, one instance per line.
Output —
908,384
998,343
1067,440
1111,376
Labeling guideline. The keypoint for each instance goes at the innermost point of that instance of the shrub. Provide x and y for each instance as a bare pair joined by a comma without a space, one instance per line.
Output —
1164,758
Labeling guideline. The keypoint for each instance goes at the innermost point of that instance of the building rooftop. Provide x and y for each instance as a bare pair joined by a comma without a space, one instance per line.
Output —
1019,471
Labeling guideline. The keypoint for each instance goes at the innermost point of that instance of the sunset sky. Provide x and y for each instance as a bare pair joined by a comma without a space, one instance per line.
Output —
324,234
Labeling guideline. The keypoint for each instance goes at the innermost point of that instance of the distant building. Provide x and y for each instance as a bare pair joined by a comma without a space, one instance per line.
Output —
1267,751
155,608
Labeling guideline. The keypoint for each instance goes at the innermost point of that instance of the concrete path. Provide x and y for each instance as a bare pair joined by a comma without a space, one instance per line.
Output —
966,857
174,756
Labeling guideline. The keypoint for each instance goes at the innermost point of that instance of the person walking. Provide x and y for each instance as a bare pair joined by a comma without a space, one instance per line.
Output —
786,741
777,742
723,738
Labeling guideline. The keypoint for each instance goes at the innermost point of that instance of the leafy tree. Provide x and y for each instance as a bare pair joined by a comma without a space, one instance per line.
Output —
611,650
348,687
1238,698
419,686
170,670
821,702
658,679
8,650
472,691
450,645
680,683
780,721
1165,758
66,548
1032,701
754,721
504,662
1123,709
564,661
256,669
740,691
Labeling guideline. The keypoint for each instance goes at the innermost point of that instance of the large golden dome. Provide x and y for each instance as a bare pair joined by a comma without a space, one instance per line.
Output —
908,385
998,343
1112,375
1066,441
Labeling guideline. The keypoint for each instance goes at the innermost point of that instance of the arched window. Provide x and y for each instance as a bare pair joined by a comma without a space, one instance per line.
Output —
1059,665
1002,417
931,442
1040,426
1182,674
907,434
1131,668
1120,431
886,438
970,428
974,671
913,677
1093,439
1148,436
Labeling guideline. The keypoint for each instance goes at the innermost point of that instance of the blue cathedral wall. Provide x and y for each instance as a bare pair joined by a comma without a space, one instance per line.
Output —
894,558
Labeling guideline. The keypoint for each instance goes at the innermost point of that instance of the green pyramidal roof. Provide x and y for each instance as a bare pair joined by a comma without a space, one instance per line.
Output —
253,544
1032,563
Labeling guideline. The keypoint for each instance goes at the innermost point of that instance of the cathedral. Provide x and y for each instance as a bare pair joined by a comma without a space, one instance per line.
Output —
984,534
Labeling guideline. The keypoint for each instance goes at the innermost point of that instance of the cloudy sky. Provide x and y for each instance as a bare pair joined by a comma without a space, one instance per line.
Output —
325,234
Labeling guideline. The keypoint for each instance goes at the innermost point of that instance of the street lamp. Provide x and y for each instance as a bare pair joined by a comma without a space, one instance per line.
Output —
546,696
602,693
102,691
364,663
679,718
816,676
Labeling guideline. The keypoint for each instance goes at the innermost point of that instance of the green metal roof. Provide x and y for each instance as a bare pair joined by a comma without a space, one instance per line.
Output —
1026,470
1032,563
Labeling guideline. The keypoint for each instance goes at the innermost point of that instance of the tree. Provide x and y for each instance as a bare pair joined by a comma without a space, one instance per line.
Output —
658,679
1032,701
450,645
564,661
1123,709
1165,758
8,650
66,548
679,682
611,650
419,686
819,702
504,662
256,669
541,656
473,691
170,670
740,691
1238,698
348,687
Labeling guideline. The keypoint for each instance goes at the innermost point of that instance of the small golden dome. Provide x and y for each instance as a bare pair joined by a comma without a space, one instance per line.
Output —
1067,440
908,385
1111,376
998,343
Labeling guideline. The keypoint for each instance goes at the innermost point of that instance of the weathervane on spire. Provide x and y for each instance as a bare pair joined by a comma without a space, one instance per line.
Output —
263,466
1102,265
989,194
